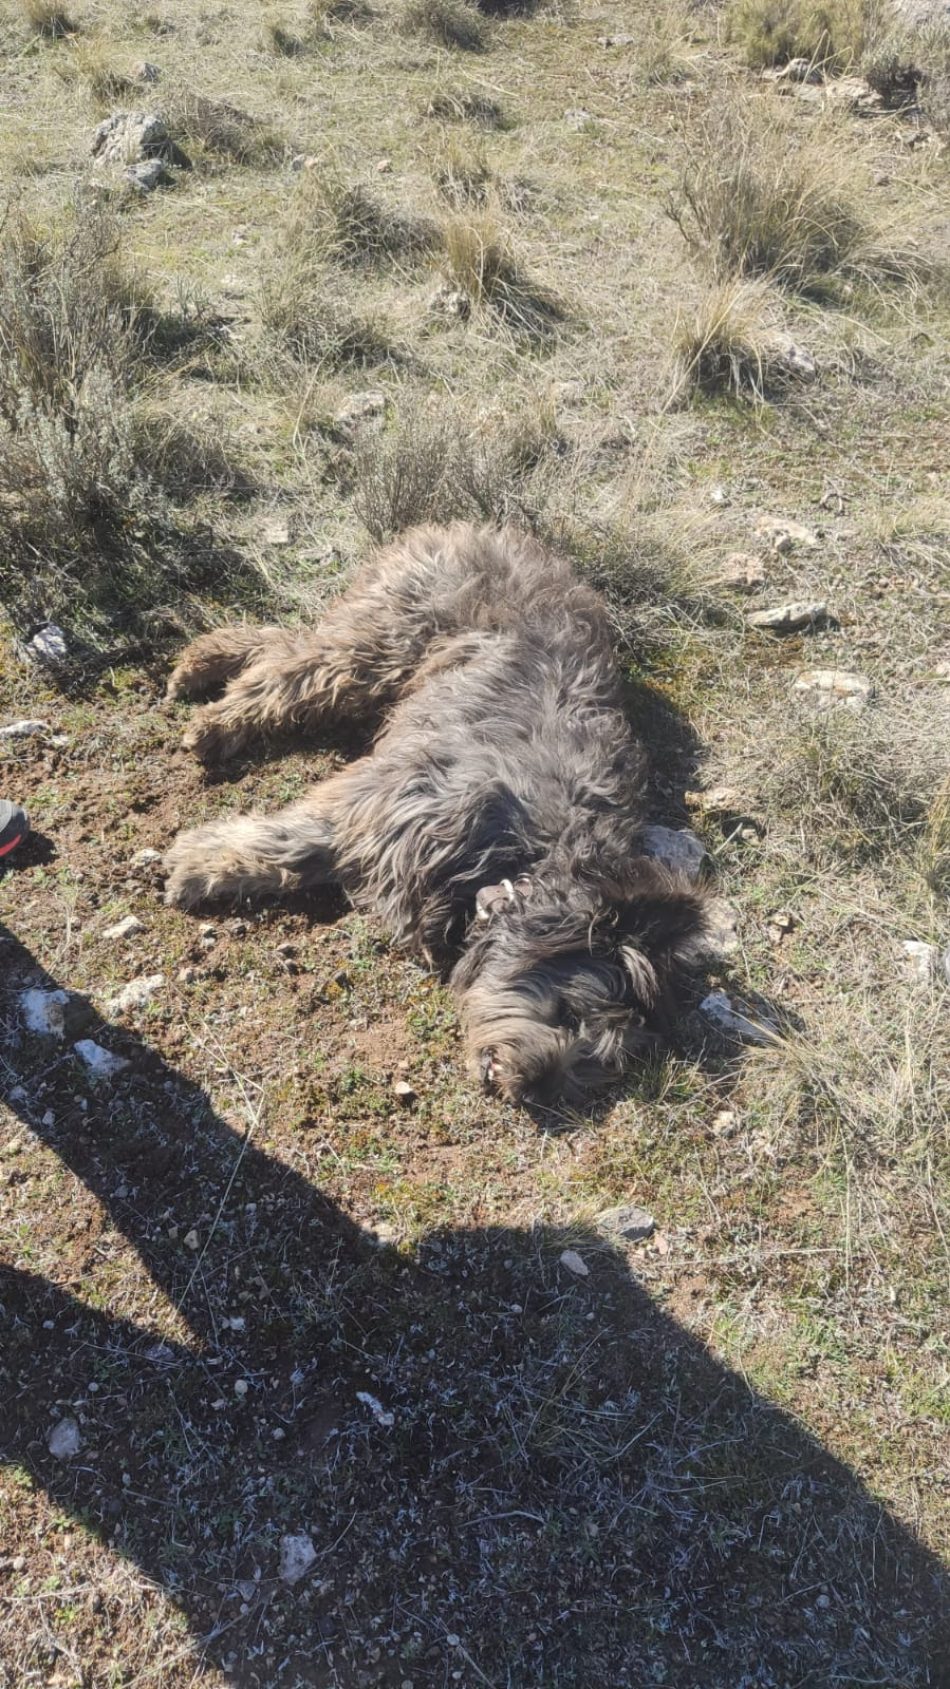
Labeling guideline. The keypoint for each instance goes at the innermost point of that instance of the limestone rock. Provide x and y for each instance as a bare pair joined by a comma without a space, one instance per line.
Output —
130,137
789,618
835,686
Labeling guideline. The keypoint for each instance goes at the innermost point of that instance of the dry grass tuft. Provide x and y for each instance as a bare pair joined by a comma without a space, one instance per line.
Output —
452,23
757,200
306,321
223,131
277,36
833,34
47,17
463,175
480,263
726,345
325,13
466,105
438,466
345,222
936,843
90,61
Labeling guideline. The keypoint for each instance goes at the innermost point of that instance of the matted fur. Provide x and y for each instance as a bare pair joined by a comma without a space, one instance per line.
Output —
504,756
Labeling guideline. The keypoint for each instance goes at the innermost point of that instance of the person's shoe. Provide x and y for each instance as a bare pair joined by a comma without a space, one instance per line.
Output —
14,826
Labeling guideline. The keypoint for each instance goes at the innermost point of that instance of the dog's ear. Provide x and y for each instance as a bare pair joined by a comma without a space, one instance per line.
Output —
661,915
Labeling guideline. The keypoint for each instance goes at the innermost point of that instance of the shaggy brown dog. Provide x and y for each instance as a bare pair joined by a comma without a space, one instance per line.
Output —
494,828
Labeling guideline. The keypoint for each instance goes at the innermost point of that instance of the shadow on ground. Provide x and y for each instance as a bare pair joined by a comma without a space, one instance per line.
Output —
509,1475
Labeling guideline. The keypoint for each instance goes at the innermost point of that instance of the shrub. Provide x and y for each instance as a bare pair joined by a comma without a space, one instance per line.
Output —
224,131
452,23
466,105
727,345
834,34
480,263
47,17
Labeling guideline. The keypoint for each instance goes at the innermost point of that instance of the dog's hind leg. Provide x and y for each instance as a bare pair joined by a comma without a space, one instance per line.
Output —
209,662
254,855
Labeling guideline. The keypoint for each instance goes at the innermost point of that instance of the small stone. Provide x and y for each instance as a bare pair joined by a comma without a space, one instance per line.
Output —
147,175
136,994
24,729
831,686
187,975
784,534
64,1440
379,1413
361,408
383,166
628,1222
404,1092
241,1385
732,1021
719,496
575,1263
721,935
126,928
855,94
922,960
48,647
780,925
145,858
577,117
717,801
788,618
297,1555
724,1121
741,573
145,71
794,359
277,531
190,1239
102,1064
676,847
209,930
44,1012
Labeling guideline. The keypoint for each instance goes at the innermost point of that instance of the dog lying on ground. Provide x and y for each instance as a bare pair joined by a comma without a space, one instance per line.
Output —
494,828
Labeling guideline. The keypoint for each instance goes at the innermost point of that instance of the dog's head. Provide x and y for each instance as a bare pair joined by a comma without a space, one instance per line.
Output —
560,985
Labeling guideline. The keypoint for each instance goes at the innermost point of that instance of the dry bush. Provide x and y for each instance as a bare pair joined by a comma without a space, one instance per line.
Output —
90,62
452,23
755,199
223,131
463,175
479,262
306,322
278,37
931,52
833,34
728,345
86,520
438,466
466,105
338,220
325,13
47,17
663,55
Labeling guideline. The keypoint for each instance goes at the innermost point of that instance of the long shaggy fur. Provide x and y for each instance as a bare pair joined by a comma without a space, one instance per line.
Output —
494,828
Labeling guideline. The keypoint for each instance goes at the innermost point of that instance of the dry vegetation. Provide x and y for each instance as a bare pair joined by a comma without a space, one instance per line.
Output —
499,261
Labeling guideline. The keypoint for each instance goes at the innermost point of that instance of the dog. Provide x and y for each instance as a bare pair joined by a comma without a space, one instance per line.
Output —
495,826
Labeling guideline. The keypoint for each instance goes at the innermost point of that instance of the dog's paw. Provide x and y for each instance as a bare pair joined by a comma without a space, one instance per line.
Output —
188,882
210,741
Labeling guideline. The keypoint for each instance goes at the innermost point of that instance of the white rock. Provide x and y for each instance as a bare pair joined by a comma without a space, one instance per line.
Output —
379,1413
144,858
190,1241
48,646
575,1263
126,928
361,407
64,1440
45,1012
722,1014
835,686
788,618
783,534
922,960
795,360
676,847
136,994
721,937
718,495
628,1222
297,1555
102,1064
741,573
449,301
577,117
277,531
23,729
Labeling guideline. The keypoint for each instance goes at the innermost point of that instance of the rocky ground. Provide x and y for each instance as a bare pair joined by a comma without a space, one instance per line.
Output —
319,1367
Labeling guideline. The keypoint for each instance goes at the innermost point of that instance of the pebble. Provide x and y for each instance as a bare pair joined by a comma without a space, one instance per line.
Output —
741,573
136,994
575,1263
23,729
795,360
832,686
48,646
784,535
126,928
788,618
297,1555
102,1064
361,407
923,960
449,301
727,1018
64,1440
277,531
145,858
404,1092
721,935
147,175
677,848
190,1241
44,1012
577,117
628,1222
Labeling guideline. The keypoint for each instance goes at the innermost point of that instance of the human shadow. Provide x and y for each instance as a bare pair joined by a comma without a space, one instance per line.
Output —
506,1471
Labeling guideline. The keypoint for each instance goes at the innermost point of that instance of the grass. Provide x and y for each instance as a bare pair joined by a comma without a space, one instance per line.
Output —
757,200
480,262
450,23
214,398
833,36
46,17
223,132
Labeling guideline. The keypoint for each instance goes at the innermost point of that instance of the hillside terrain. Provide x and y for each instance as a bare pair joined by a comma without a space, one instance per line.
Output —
320,1367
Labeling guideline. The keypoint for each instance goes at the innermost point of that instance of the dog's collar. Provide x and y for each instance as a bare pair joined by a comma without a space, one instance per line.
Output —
501,898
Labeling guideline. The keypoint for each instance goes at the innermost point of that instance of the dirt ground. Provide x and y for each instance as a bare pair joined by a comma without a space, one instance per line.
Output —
283,1308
